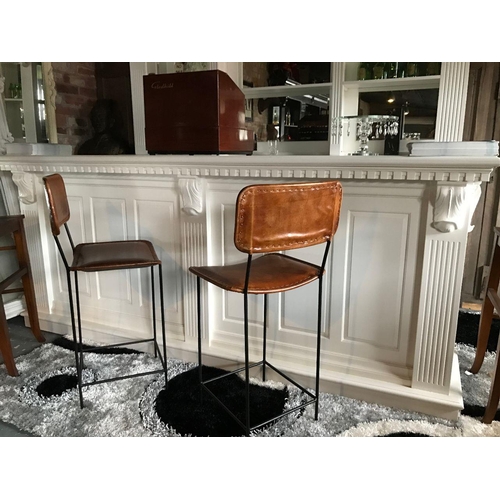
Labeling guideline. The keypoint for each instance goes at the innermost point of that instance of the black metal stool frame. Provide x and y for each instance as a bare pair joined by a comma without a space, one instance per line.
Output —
79,350
314,398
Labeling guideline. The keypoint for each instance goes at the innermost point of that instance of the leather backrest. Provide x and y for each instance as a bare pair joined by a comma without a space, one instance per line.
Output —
276,217
58,202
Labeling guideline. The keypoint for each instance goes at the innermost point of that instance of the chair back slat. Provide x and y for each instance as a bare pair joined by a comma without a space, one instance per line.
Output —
276,217
58,202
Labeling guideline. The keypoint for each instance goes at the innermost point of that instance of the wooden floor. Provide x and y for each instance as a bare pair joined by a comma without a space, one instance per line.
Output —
471,306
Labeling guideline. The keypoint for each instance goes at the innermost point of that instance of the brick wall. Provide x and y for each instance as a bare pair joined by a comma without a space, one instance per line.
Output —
76,94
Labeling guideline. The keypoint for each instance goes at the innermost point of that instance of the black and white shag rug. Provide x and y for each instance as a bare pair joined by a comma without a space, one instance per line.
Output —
44,401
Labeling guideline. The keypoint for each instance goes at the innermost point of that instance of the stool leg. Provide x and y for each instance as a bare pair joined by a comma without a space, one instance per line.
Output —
75,339
164,337
27,280
487,310
483,333
264,340
318,345
494,397
153,306
5,345
198,300
247,371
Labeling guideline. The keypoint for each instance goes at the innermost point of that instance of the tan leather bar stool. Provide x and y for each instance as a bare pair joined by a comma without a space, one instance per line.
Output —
14,225
274,218
100,257
491,302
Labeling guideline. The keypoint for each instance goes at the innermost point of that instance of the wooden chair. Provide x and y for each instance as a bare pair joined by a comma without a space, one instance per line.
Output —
14,225
275,218
491,303
101,257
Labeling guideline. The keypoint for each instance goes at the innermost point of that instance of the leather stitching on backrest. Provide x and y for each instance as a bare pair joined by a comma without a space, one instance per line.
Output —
257,201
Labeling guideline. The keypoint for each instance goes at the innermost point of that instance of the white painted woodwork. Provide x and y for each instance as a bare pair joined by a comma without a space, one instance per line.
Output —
137,71
451,101
452,84
392,283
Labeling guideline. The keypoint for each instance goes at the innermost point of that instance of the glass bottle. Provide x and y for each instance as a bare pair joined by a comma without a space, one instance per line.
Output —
412,69
364,71
433,68
391,70
12,91
378,70
402,69
276,115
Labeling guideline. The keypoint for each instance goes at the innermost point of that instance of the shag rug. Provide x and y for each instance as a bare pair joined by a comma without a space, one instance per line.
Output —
44,401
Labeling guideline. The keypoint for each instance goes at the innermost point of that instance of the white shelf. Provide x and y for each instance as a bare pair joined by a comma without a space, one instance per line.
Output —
408,83
287,90
13,99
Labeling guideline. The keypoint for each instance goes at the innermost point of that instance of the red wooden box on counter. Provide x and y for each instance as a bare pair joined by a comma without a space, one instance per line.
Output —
197,112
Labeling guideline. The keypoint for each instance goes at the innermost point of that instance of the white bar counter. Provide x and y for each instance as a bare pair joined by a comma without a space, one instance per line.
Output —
393,280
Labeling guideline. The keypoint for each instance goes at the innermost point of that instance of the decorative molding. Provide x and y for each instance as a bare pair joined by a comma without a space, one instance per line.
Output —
395,168
14,308
336,99
473,194
452,100
38,264
191,192
9,193
433,356
25,183
194,245
451,205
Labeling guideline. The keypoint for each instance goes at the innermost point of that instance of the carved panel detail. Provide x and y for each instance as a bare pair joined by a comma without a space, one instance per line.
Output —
451,205
25,183
191,195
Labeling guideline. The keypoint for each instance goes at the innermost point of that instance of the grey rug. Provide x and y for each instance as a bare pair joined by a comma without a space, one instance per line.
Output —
126,408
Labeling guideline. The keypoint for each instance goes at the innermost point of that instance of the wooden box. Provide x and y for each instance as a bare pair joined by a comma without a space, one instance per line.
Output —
201,112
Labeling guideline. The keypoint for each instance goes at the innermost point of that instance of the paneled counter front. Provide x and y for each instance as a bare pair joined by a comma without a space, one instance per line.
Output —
393,278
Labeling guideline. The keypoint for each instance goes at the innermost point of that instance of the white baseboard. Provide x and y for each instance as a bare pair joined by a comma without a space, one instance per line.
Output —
13,308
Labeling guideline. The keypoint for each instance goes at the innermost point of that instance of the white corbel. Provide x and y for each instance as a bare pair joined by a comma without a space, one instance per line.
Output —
25,183
191,192
452,205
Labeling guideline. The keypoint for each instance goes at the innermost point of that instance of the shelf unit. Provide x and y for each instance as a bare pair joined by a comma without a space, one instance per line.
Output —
23,116
343,94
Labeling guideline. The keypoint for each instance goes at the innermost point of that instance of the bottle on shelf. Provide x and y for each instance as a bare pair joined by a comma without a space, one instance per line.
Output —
364,71
433,68
391,70
401,70
412,69
12,91
378,70
276,115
